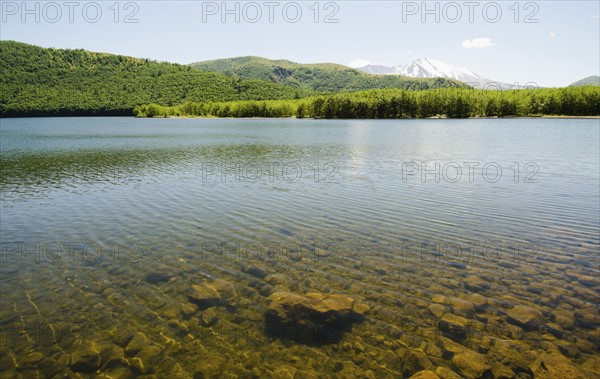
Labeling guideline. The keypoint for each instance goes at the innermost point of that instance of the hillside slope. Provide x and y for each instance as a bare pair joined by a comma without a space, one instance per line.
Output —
593,80
36,81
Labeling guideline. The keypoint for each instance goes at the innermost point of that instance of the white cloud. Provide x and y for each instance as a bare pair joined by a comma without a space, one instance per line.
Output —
477,43
596,17
357,63
552,34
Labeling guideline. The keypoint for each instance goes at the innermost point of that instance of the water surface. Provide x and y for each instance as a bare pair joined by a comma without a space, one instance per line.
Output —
108,222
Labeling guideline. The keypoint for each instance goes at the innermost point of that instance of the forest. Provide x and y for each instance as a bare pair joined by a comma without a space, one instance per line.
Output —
398,103
37,81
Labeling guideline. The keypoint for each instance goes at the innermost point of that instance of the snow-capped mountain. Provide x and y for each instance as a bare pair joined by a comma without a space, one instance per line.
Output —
432,68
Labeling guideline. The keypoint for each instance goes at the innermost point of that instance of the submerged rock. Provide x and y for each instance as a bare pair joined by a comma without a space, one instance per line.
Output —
210,366
588,281
314,318
525,317
209,294
111,355
158,277
275,279
478,301
592,365
187,310
415,361
588,318
440,299
471,364
513,354
462,307
285,372
209,317
564,318
446,373
454,327
85,359
33,358
137,343
438,310
555,366
256,270
314,302
475,284
425,374
501,371
146,359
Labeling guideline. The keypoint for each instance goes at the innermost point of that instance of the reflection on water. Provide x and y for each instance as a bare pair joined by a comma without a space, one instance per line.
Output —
299,248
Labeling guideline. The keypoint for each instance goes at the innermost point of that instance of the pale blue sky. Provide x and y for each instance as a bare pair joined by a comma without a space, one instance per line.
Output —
561,47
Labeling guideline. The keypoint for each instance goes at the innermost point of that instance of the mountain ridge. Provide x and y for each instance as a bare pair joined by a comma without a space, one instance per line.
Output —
322,77
592,80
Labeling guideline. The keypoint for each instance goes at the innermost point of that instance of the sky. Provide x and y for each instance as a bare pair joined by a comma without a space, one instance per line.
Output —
549,43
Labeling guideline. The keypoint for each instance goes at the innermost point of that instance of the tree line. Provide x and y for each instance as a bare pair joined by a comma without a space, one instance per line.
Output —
399,103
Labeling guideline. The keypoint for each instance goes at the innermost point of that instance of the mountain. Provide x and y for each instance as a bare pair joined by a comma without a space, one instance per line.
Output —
432,68
378,69
36,81
324,77
593,80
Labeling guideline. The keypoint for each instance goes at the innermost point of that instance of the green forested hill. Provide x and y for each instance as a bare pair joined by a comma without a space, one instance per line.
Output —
37,81
593,80
324,77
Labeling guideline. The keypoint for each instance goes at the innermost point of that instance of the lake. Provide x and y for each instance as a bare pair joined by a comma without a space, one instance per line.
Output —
299,248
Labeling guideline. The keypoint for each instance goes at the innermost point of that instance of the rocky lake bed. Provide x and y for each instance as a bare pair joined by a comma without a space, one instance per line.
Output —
304,318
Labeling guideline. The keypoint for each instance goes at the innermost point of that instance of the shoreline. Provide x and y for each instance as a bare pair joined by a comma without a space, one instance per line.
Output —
404,118
312,118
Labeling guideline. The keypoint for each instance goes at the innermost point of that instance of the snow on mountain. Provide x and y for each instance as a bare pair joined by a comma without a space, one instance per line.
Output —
432,68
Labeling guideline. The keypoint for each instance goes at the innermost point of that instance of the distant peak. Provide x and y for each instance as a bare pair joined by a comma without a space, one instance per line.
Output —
432,68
